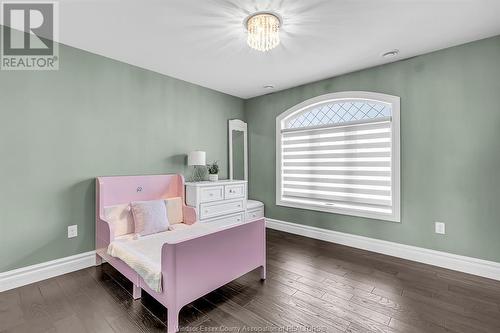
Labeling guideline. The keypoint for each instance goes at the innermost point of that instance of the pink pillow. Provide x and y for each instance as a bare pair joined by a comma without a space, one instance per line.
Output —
149,216
121,218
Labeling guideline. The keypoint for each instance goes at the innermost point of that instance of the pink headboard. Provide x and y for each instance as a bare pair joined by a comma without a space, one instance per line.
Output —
125,189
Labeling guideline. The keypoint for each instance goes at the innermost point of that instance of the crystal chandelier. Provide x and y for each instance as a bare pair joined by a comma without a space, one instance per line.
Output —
263,31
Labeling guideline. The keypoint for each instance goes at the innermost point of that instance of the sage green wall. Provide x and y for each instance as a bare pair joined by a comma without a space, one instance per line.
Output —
93,117
450,139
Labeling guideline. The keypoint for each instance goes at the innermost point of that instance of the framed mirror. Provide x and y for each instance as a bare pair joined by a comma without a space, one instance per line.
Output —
238,150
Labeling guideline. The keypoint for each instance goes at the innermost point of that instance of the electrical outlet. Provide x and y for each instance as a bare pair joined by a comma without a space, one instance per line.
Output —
439,227
72,231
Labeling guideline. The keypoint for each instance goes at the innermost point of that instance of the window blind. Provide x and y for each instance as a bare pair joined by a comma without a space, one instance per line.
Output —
347,166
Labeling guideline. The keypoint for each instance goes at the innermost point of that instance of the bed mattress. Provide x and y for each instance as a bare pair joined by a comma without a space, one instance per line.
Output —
143,254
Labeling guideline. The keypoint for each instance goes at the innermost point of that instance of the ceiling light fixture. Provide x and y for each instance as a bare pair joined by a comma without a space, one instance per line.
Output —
263,30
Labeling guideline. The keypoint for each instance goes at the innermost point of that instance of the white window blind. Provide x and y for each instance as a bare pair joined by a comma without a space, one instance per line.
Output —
338,155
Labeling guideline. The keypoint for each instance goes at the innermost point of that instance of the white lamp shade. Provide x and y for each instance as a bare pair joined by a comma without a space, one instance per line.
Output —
197,158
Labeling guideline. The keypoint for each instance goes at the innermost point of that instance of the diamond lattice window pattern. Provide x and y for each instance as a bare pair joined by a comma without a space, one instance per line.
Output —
340,112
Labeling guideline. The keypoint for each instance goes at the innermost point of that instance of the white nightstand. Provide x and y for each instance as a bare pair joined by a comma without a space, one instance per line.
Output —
255,210
223,202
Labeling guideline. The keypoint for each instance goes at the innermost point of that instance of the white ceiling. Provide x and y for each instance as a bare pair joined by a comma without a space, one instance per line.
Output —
204,41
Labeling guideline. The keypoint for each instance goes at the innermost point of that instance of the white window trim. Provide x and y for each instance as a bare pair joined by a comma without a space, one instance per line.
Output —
396,164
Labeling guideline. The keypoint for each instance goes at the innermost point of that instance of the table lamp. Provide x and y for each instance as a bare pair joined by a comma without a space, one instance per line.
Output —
197,159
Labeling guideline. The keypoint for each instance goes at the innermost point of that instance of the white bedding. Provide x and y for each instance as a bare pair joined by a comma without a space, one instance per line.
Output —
143,254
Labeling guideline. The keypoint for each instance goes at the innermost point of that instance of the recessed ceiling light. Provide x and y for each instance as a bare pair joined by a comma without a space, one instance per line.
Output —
269,86
391,53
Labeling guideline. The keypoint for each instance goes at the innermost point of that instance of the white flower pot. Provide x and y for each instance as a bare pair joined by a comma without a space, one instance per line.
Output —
213,178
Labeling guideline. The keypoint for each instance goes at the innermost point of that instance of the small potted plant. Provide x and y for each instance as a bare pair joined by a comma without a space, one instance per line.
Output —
213,172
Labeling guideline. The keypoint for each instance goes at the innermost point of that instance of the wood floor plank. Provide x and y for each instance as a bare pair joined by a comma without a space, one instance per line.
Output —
273,270
380,283
56,302
72,324
32,303
340,290
273,293
360,309
32,325
347,312
217,314
411,314
11,313
431,301
479,292
287,316
422,327
322,315
91,316
248,318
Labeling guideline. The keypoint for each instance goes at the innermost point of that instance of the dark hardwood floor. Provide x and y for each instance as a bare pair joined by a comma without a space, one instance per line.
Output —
311,284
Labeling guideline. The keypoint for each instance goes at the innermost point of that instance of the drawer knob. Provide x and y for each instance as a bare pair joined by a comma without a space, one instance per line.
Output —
211,194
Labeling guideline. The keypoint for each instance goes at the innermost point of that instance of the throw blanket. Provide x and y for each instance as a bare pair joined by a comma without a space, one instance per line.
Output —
143,254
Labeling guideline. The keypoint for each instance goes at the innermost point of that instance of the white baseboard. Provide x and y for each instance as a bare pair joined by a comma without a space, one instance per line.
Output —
484,268
31,274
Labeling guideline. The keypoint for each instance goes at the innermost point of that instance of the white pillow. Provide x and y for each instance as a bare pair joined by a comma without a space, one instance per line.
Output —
121,218
174,210
149,216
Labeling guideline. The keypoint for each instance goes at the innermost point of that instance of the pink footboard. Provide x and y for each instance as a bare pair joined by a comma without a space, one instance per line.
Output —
192,267
198,266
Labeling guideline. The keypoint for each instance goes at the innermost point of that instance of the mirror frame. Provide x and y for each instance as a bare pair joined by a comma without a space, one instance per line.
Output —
238,125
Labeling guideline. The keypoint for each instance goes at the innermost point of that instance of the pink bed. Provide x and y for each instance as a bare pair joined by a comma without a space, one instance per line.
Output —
191,267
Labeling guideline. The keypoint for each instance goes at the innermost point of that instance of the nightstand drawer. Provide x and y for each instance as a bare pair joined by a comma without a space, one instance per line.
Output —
234,191
255,214
213,193
220,208
226,220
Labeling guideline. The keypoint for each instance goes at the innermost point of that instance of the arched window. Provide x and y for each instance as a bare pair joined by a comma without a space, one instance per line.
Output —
339,153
